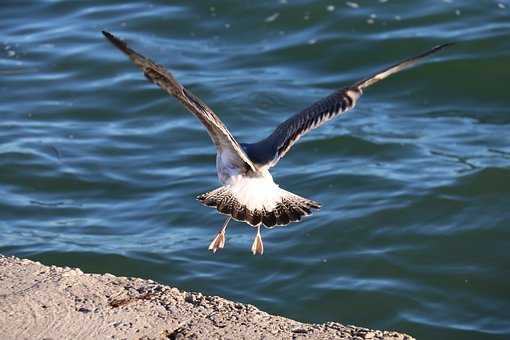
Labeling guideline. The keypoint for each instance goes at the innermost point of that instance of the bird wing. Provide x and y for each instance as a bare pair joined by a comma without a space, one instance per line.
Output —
270,150
157,74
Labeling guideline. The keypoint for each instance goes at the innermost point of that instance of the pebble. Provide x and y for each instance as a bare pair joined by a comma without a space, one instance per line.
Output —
369,335
69,273
300,330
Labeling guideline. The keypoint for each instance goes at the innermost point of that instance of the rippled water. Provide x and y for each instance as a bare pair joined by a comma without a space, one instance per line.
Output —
99,168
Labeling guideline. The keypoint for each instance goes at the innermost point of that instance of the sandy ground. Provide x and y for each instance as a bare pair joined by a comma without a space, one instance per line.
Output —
41,302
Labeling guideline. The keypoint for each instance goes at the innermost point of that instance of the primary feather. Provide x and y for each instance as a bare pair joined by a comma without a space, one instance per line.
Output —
218,132
271,149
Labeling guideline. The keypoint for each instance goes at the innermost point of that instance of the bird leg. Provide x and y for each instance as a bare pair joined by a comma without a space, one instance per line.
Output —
219,240
257,247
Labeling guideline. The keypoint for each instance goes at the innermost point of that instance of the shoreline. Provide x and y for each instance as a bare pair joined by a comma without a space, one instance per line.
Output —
50,302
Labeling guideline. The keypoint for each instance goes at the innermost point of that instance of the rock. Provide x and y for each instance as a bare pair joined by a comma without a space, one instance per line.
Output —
369,335
40,302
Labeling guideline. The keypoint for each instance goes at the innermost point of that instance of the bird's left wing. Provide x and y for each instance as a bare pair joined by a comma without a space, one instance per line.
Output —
270,150
157,74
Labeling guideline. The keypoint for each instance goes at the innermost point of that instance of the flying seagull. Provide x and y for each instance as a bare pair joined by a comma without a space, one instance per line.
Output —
249,193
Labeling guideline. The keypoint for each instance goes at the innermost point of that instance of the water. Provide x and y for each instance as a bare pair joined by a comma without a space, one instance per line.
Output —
99,168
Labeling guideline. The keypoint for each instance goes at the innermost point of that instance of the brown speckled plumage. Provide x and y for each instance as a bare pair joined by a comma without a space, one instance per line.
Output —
291,208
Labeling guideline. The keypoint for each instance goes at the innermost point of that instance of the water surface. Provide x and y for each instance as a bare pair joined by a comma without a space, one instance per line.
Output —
99,168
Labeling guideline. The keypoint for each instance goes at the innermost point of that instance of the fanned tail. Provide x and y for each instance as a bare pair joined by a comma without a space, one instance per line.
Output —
286,208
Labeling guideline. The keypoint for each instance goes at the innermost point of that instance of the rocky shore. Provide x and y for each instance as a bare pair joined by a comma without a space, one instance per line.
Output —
48,302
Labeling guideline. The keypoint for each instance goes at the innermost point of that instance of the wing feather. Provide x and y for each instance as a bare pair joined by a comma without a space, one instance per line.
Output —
157,74
271,149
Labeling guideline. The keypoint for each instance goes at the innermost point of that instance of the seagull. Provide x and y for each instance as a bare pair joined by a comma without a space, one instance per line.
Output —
249,193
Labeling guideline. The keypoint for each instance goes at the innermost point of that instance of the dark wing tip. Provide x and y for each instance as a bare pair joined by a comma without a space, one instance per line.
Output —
107,34
433,50
440,47
114,40
451,43
121,45
405,64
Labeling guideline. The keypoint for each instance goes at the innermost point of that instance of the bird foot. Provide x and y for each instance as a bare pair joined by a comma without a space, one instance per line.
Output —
219,240
257,247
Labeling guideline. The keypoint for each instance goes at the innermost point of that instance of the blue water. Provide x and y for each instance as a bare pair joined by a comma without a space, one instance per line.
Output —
99,169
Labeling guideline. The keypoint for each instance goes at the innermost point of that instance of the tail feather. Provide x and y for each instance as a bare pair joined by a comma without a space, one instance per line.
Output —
290,208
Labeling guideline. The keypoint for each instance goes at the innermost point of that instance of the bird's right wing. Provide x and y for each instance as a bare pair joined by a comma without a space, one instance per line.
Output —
157,74
270,150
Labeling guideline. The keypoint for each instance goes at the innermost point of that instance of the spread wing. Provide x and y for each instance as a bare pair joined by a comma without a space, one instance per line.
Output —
270,150
157,74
